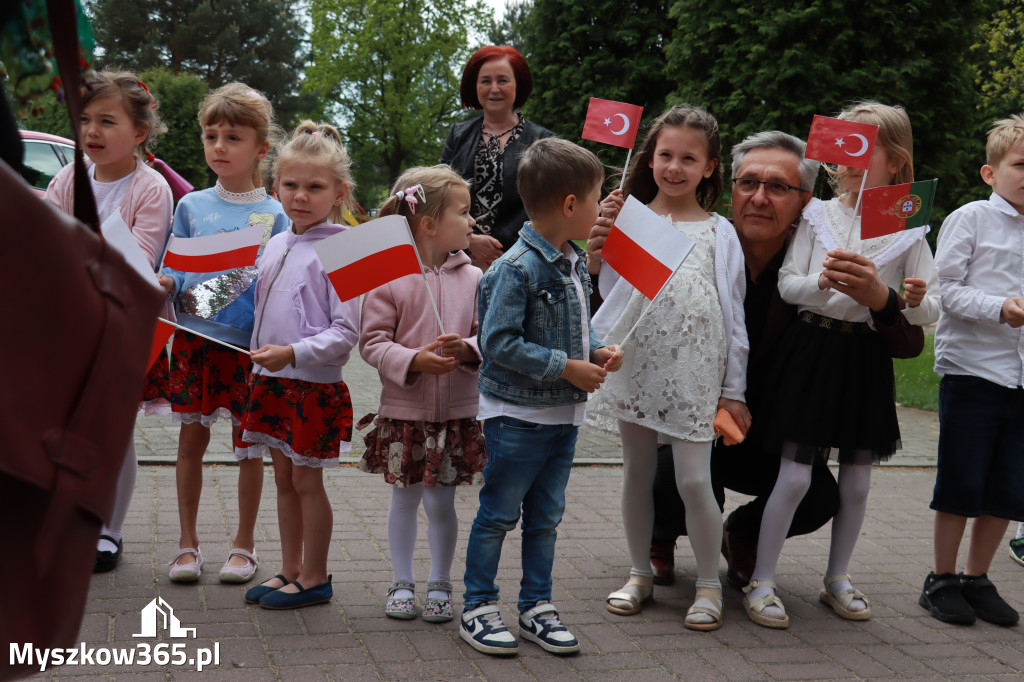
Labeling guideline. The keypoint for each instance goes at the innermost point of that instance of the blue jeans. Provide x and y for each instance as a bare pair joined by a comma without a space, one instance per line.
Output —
527,470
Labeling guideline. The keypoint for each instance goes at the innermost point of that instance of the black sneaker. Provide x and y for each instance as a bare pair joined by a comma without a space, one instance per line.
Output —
542,626
983,597
1017,550
483,629
943,595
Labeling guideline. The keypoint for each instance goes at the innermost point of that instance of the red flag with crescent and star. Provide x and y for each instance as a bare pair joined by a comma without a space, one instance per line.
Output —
845,143
612,122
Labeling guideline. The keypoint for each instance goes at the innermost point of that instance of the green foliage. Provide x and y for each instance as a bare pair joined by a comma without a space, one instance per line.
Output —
607,49
257,42
760,65
50,116
509,31
999,65
181,147
390,69
917,385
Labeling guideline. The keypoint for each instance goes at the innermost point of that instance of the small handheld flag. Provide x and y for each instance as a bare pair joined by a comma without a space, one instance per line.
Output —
846,143
162,332
643,248
369,255
214,253
893,208
612,122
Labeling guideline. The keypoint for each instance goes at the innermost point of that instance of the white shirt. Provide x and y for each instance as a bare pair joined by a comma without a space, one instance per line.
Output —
108,194
574,414
829,225
980,258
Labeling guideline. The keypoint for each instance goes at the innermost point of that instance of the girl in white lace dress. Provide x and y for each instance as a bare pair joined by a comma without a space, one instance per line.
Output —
834,373
686,358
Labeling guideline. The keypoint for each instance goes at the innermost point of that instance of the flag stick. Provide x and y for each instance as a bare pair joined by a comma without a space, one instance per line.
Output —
210,338
430,294
648,306
625,169
856,210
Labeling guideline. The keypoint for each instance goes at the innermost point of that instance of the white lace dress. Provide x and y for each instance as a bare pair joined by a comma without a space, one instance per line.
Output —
674,363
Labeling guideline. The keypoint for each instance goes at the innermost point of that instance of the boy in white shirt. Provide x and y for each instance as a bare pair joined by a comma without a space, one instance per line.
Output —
979,352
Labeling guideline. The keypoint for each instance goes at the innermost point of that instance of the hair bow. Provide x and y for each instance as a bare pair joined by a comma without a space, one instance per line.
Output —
409,196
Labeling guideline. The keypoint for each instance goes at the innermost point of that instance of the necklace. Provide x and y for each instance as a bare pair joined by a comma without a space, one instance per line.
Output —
493,140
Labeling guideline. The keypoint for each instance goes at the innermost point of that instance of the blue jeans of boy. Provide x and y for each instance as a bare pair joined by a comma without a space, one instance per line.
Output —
527,470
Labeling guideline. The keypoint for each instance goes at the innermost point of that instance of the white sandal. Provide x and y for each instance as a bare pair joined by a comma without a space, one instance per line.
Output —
635,592
840,602
713,595
755,607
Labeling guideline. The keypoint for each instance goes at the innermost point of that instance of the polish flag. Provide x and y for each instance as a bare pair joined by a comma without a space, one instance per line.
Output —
612,122
162,332
644,249
214,253
365,257
846,143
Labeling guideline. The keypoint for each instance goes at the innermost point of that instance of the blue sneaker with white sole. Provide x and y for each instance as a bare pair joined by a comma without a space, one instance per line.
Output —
542,626
483,629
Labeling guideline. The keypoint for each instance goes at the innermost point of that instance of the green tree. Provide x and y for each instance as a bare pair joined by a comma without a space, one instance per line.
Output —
759,65
258,42
509,30
607,49
389,69
48,116
181,147
999,69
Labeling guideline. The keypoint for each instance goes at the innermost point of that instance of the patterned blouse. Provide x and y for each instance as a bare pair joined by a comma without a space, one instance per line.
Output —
487,176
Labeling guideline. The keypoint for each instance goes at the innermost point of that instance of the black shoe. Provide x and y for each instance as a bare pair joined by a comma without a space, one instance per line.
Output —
981,594
107,561
943,595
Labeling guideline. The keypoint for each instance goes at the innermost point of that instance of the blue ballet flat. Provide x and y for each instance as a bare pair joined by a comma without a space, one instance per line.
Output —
277,599
257,592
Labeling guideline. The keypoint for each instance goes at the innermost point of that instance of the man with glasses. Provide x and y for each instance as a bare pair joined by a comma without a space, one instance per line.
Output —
772,184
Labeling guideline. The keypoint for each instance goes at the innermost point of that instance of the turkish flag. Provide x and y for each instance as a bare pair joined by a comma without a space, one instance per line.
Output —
611,122
846,143
369,255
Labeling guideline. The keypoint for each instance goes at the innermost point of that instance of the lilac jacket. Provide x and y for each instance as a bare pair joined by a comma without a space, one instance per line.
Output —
297,306
398,320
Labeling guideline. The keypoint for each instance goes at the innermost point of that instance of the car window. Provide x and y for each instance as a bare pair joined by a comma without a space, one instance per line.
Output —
41,163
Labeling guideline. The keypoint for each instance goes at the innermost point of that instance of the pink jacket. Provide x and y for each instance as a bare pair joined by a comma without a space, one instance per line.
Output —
398,320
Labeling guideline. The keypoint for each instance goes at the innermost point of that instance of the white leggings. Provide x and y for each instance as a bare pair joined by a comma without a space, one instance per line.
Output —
693,479
442,529
125,490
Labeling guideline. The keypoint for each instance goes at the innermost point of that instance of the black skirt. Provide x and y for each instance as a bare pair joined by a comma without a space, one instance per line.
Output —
830,386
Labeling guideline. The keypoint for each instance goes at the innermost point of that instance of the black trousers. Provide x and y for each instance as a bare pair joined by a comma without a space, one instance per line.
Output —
747,469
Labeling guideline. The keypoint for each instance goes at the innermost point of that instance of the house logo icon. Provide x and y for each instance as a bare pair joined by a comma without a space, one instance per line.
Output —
158,611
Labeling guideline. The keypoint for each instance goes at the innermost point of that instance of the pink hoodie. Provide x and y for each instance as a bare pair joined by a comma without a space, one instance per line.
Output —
398,321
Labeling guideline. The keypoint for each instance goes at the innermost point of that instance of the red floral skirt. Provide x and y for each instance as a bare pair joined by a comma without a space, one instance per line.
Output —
431,453
207,380
310,423
156,391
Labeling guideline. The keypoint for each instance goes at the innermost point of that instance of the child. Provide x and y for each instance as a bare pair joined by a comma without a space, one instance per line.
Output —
427,439
687,359
119,122
209,381
300,409
834,371
540,359
981,403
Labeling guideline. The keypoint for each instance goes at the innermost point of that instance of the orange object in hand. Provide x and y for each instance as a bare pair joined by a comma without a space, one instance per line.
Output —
726,427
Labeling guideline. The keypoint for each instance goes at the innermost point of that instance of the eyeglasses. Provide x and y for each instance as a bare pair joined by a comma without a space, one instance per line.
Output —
773,188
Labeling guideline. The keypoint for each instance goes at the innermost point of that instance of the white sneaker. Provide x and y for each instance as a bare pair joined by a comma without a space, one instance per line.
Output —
542,626
483,629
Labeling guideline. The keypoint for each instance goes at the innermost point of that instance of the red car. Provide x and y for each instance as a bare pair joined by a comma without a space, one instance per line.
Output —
45,155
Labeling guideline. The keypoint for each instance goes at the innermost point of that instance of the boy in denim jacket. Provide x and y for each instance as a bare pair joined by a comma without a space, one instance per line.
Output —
540,359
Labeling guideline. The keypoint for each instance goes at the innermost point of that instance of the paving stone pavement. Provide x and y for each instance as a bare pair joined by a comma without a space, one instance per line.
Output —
351,639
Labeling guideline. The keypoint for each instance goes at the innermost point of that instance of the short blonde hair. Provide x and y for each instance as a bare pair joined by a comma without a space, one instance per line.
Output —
436,182
1003,136
551,169
319,143
236,104
895,135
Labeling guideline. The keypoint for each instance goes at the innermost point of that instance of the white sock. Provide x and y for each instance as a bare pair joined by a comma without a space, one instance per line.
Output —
854,486
122,499
639,466
402,527
442,533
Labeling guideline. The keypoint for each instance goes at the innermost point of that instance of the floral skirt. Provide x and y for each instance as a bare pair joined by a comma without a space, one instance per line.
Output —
310,423
431,453
207,381
156,390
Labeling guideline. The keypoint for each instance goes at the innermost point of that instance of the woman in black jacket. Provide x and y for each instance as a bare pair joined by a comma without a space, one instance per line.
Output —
485,150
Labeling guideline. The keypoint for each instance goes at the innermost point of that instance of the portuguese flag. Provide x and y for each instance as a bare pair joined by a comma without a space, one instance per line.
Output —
893,208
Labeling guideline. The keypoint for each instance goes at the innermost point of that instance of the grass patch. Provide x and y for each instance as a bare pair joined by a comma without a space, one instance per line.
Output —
916,384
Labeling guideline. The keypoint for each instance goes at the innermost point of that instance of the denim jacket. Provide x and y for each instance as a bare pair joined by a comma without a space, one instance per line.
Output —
530,324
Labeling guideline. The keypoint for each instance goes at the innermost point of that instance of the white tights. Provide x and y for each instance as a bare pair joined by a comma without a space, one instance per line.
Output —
693,479
122,499
793,481
442,532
